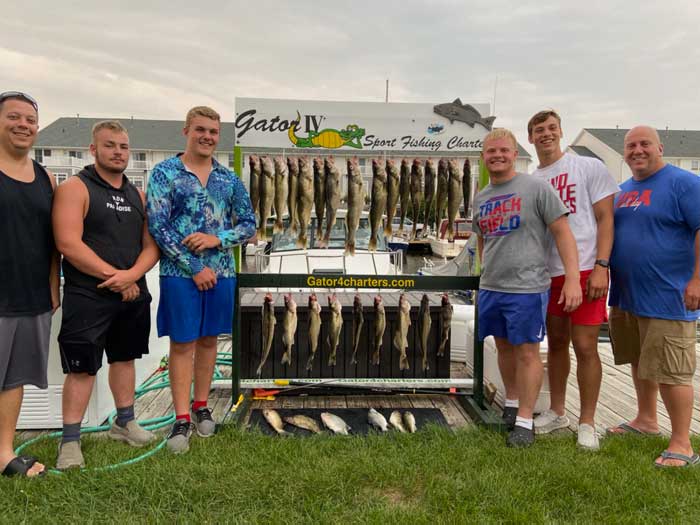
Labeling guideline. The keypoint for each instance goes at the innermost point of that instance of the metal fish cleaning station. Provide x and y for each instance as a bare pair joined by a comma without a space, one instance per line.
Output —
365,131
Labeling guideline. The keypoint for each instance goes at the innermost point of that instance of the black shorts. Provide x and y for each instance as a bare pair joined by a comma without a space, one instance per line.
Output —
93,324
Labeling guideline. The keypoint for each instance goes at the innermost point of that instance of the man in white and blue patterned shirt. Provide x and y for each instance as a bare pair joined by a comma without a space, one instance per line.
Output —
197,211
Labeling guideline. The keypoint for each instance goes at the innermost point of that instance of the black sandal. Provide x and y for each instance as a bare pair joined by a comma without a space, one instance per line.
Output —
20,465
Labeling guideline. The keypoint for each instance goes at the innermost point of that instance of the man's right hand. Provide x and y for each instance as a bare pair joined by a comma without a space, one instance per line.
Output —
205,280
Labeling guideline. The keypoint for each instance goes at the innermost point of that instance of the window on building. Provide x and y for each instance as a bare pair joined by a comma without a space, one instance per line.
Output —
695,165
138,181
139,156
230,160
40,154
60,177
75,154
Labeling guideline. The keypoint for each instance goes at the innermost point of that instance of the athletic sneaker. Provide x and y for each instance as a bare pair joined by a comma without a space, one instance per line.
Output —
509,415
203,422
520,437
133,433
549,421
179,437
588,437
70,456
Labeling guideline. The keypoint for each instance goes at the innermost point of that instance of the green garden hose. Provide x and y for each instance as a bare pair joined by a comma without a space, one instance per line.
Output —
157,381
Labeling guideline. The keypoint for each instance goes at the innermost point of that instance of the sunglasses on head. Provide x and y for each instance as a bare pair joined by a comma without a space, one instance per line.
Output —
18,94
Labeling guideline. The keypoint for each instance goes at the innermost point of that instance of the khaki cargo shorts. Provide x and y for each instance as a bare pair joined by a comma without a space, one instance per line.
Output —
664,348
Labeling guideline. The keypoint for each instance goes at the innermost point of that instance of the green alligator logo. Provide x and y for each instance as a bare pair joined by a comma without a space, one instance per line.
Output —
327,138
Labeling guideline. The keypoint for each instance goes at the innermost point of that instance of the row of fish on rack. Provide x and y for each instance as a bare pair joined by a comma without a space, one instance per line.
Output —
295,187
399,338
401,423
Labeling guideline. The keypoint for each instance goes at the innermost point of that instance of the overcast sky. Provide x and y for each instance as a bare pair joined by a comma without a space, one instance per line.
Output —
599,63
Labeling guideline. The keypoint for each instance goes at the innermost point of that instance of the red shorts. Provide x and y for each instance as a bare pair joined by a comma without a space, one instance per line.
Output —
590,313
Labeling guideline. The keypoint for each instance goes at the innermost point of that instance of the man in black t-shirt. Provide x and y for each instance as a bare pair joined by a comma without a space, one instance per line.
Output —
101,230
29,279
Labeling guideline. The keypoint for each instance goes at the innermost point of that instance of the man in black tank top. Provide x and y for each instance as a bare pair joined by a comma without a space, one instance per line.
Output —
29,279
101,230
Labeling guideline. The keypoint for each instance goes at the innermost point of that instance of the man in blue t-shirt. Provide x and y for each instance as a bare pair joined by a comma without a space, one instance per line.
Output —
655,292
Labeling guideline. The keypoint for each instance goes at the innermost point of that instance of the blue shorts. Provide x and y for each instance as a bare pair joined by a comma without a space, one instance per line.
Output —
517,317
186,314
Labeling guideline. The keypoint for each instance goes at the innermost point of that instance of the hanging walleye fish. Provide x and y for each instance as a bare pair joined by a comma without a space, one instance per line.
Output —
356,203
393,183
401,332
267,195
378,205
289,324
314,328
429,194
379,327
268,329
305,200
404,191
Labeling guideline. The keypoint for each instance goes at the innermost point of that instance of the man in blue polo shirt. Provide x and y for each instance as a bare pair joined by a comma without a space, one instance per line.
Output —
197,211
655,292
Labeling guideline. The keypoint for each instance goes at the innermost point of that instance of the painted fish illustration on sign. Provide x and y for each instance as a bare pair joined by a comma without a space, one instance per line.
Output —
463,113
268,329
379,327
314,328
378,205
356,203
305,200
401,332
334,328
445,322
289,324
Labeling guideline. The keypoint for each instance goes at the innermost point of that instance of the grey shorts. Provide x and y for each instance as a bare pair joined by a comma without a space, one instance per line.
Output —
24,350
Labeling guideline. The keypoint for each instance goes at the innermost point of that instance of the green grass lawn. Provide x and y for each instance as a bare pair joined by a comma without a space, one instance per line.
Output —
434,476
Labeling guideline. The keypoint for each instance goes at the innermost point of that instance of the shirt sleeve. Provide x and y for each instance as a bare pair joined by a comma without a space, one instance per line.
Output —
549,204
689,197
158,208
599,183
242,217
475,218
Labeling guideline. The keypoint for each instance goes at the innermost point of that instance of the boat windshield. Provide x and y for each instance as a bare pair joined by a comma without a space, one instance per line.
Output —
286,241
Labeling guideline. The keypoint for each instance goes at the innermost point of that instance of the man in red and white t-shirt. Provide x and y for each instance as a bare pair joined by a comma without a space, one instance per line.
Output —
587,188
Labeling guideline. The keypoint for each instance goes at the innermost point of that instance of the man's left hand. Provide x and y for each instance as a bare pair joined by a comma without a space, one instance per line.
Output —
597,283
198,242
692,294
118,280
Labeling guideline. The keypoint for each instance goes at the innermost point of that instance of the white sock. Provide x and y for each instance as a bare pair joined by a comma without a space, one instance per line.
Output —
512,403
524,422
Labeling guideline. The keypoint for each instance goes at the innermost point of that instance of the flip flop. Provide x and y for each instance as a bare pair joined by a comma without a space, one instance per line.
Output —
629,429
20,465
690,461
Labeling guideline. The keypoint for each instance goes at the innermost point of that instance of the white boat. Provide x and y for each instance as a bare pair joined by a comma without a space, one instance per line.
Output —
282,255
439,244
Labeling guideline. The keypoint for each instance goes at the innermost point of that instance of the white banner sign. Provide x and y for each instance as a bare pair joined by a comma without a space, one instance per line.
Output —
366,126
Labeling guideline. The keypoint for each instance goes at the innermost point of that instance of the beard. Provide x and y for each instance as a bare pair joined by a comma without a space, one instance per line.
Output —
108,167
